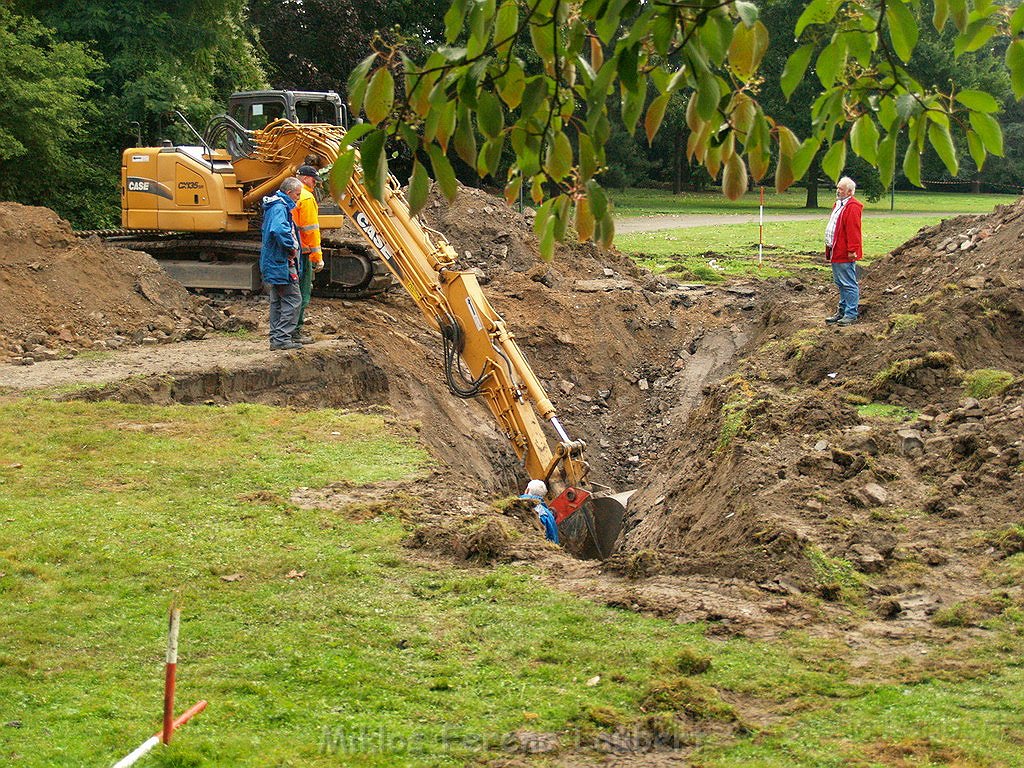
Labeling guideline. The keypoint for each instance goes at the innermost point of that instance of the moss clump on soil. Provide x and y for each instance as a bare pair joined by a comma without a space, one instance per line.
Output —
488,541
687,696
1008,541
690,662
902,371
899,323
987,382
956,615
606,716
802,342
886,412
836,578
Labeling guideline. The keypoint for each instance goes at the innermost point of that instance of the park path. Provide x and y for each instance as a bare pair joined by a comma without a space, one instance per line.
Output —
654,222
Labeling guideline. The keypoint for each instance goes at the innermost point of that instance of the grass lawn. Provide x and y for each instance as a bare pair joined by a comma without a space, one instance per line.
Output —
372,657
788,246
641,202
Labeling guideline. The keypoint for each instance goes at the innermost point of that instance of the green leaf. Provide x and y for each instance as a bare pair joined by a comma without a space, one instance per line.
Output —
357,83
708,94
1017,20
978,33
505,25
511,86
534,95
632,106
834,160
747,49
902,28
941,14
465,137
380,95
558,159
912,165
802,157
443,171
588,158
818,12
608,23
989,132
490,156
978,101
375,163
1015,63
341,173
655,114
354,134
489,115
542,38
453,19
887,159
831,61
864,138
627,59
747,11
958,12
598,200
887,114
976,148
419,187
943,145
796,66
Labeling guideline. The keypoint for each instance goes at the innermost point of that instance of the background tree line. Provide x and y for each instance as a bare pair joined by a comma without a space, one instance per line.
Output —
84,80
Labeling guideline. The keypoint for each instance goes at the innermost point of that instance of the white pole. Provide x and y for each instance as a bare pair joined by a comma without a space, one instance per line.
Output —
133,758
760,230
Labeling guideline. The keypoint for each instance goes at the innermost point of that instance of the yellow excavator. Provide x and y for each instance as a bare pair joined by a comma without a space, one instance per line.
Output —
196,209
200,189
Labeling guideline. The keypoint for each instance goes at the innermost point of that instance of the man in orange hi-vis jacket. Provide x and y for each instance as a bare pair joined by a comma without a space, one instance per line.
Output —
307,219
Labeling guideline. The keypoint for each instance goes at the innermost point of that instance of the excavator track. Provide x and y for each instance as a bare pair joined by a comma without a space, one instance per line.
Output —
231,261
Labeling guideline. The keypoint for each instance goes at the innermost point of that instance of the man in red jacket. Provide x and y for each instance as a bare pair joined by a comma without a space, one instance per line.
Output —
843,249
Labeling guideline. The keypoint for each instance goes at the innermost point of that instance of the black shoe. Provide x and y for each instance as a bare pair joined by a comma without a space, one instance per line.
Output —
834,318
846,321
300,339
286,345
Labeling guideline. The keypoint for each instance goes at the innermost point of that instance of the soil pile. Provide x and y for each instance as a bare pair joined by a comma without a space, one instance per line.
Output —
60,294
798,472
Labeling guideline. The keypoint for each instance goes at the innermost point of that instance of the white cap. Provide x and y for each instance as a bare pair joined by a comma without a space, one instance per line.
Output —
537,488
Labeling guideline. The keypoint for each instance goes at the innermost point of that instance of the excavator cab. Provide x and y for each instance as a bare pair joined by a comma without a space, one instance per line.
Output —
255,110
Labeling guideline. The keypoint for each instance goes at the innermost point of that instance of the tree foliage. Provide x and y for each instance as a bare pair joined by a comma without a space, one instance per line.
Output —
45,112
475,94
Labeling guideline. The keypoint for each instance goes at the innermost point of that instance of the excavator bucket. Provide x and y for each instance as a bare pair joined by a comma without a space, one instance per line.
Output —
589,525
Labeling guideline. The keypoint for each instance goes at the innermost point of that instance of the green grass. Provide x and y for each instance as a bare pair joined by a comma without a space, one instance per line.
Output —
887,412
638,202
788,246
987,382
375,657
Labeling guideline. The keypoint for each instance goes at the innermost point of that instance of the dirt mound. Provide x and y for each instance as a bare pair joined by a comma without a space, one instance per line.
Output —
799,474
60,294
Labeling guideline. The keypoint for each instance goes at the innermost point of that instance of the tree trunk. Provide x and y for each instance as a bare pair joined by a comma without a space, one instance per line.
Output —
677,162
812,184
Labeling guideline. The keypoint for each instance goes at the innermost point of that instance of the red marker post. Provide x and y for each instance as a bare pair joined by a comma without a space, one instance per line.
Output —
170,724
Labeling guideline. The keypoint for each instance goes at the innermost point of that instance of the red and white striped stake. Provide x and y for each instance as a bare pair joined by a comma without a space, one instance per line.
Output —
170,724
760,230
169,673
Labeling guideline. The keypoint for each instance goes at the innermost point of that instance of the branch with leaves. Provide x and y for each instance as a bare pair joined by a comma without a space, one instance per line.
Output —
475,95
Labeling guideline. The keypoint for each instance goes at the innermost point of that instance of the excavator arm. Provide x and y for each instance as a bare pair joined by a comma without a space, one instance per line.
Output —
481,356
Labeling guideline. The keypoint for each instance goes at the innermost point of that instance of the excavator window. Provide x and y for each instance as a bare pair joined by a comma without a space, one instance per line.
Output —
317,112
259,115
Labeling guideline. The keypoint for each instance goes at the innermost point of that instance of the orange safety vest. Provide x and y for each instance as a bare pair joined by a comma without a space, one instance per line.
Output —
307,219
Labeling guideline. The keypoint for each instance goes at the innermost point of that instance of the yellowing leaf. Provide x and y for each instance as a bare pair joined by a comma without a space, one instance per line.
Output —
655,114
734,178
380,95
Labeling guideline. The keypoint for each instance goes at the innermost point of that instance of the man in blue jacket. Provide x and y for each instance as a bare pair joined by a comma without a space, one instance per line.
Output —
279,263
